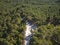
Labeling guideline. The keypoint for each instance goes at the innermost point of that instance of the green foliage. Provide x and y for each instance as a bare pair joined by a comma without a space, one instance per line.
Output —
46,35
44,13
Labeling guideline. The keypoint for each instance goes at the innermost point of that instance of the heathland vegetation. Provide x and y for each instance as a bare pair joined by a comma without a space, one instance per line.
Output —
44,13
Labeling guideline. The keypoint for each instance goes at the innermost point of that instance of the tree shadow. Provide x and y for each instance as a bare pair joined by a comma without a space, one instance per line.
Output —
28,37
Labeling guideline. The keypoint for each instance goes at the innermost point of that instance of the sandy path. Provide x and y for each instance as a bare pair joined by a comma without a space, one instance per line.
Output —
28,33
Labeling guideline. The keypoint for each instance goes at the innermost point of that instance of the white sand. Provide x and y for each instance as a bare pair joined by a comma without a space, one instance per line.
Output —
28,34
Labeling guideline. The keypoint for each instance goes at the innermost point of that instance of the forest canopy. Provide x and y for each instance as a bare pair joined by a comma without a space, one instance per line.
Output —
44,13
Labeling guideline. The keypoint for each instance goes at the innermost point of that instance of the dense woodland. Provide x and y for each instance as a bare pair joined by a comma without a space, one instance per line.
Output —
44,13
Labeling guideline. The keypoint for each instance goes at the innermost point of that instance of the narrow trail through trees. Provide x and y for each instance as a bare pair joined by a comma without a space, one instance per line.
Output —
28,33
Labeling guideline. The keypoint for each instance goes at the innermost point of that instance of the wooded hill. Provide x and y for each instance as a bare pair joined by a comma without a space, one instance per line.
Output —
45,13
